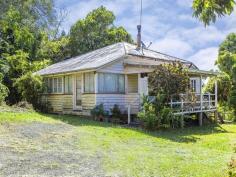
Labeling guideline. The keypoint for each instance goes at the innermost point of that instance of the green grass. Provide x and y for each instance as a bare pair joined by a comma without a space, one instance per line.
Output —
196,151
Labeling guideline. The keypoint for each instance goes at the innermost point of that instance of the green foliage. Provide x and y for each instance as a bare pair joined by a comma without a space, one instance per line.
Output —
227,54
227,63
169,79
148,116
96,31
209,10
156,114
30,86
165,82
98,112
55,50
116,112
224,85
3,90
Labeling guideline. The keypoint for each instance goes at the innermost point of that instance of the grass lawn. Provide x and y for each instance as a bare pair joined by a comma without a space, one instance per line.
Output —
112,150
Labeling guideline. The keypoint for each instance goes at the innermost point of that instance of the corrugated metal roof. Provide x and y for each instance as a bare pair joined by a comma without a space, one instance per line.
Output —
103,56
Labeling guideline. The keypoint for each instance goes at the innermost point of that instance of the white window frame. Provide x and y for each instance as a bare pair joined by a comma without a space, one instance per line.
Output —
57,86
118,88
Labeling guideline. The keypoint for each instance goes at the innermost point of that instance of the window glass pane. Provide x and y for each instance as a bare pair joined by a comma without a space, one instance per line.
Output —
100,82
54,85
59,89
66,78
86,82
50,83
121,83
70,84
110,83
89,82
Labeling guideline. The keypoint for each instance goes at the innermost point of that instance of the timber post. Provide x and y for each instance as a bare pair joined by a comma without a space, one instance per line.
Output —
200,115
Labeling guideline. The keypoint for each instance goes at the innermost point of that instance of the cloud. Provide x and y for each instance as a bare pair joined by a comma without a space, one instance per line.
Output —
173,47
184,3
205,58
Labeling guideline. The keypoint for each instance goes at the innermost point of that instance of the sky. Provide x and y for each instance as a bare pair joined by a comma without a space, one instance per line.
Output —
168,24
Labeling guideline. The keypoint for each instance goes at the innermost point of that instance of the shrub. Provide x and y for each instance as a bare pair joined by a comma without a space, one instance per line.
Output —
148,116
30,86
3,91
156,114
116,112
98,112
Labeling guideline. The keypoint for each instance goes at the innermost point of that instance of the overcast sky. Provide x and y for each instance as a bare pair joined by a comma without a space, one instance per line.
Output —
167,23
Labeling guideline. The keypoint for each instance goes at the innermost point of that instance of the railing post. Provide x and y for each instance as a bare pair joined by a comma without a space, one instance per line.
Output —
209,100
200,115
129,120
216,93
182,103
171,103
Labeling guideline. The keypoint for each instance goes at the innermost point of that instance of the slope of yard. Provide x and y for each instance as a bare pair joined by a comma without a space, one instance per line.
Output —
49,145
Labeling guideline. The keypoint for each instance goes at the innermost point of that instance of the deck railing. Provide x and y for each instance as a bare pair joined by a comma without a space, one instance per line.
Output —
193,102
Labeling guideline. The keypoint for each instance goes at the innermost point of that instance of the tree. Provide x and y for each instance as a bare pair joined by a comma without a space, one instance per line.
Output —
208,11
26,43
95,31
169,79
227,64
224,84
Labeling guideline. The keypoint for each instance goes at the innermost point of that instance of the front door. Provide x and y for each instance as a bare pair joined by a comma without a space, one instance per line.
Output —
77,89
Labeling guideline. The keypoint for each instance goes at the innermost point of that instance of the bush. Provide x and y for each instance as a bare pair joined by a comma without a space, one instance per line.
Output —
3,91
148,116
156,114
98,112
30,86
116,112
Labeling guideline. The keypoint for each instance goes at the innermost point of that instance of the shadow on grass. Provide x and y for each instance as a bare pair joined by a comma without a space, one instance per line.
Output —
185,135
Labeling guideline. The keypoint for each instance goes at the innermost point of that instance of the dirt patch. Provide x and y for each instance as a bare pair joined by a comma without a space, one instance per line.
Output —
41,149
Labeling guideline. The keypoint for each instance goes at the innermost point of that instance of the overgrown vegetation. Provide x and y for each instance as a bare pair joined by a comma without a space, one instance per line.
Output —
99,113
30,40
30,86
227,79
166,82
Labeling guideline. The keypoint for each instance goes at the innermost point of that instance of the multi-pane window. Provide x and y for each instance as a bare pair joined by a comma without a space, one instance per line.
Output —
54,85
68,84
111,83
89,82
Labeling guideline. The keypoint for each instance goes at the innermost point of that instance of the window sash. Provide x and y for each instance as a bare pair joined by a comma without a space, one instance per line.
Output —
89,82
68,84
111,83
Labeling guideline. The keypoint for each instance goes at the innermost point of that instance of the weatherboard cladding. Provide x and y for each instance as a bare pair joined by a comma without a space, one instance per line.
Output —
99,58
